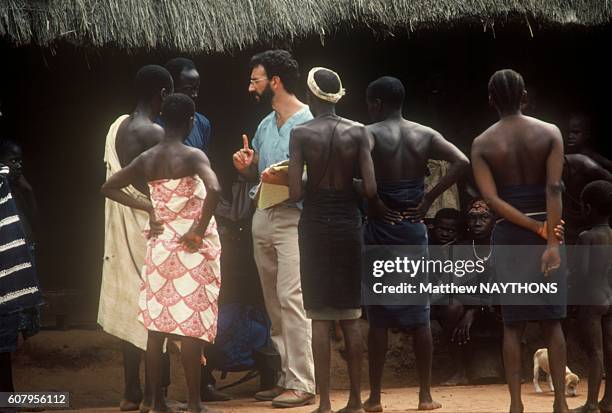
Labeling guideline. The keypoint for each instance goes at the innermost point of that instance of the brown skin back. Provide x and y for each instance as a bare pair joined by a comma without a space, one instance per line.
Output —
136,134
516,149
314,137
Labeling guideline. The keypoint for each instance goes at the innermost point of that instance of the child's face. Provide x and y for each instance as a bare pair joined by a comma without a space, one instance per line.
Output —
446,230
13,159
578,134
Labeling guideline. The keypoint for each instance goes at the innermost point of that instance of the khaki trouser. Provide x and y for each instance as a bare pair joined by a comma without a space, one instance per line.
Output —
275,244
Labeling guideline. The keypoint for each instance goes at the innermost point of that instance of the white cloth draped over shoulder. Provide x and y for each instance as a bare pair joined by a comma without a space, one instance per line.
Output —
124,254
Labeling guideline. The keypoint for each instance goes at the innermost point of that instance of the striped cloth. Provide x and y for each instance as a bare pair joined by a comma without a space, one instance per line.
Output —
19,288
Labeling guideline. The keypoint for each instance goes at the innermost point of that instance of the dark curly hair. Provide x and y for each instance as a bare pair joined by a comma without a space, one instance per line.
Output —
448,213
178,65
278,63
177,109
151,79
598,194
7,146
390,90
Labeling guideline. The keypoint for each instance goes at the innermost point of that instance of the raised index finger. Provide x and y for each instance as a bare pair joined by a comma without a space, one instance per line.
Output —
245,142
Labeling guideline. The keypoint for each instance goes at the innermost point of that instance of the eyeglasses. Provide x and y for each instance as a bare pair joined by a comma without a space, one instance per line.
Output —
255,81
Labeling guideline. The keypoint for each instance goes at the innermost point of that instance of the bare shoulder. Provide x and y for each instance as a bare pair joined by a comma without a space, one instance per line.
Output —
374,128
420,129
485,137
352,123
355,130
195,156
306,126
481,139
304,129
581,161
414,130
352,126
544,127
148,133
594,237
585,237
480,142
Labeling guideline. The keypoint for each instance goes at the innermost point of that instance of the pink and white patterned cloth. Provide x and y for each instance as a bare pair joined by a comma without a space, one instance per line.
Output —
180,289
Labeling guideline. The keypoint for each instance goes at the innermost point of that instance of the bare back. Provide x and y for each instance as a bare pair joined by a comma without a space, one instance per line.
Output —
594,258
578,171
517,149
136,135
401,148
335,170
170,160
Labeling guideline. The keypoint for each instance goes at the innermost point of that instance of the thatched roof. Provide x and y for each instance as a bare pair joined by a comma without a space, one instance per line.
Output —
223,25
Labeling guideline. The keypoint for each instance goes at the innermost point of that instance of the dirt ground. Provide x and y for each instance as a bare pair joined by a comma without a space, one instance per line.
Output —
87,363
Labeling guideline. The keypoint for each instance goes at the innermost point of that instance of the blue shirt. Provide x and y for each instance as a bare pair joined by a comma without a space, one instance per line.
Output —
199,137
272,143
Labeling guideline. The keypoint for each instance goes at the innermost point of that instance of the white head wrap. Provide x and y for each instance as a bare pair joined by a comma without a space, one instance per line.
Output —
314,88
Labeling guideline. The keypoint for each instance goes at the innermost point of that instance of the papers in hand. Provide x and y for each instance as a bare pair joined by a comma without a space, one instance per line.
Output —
269,195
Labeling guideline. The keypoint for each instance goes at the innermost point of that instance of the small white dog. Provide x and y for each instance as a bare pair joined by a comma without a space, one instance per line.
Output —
540,361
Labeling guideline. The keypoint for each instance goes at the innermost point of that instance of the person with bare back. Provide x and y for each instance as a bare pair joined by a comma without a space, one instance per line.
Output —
517,165
124,242
334,150
181,277
400,150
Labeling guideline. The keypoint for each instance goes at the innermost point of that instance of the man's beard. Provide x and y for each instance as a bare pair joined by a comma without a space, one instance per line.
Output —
266,96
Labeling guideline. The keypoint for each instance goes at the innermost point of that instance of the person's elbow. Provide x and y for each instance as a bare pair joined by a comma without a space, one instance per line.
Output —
369,190
491,200
213,193
295,193
462,163
104,189
214,190
554,189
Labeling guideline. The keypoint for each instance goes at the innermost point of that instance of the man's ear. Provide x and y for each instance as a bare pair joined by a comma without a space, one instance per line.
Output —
378,104
191,122
276,82
524,98
164,93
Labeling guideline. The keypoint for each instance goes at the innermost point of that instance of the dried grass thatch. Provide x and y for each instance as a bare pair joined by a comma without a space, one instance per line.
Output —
225,25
